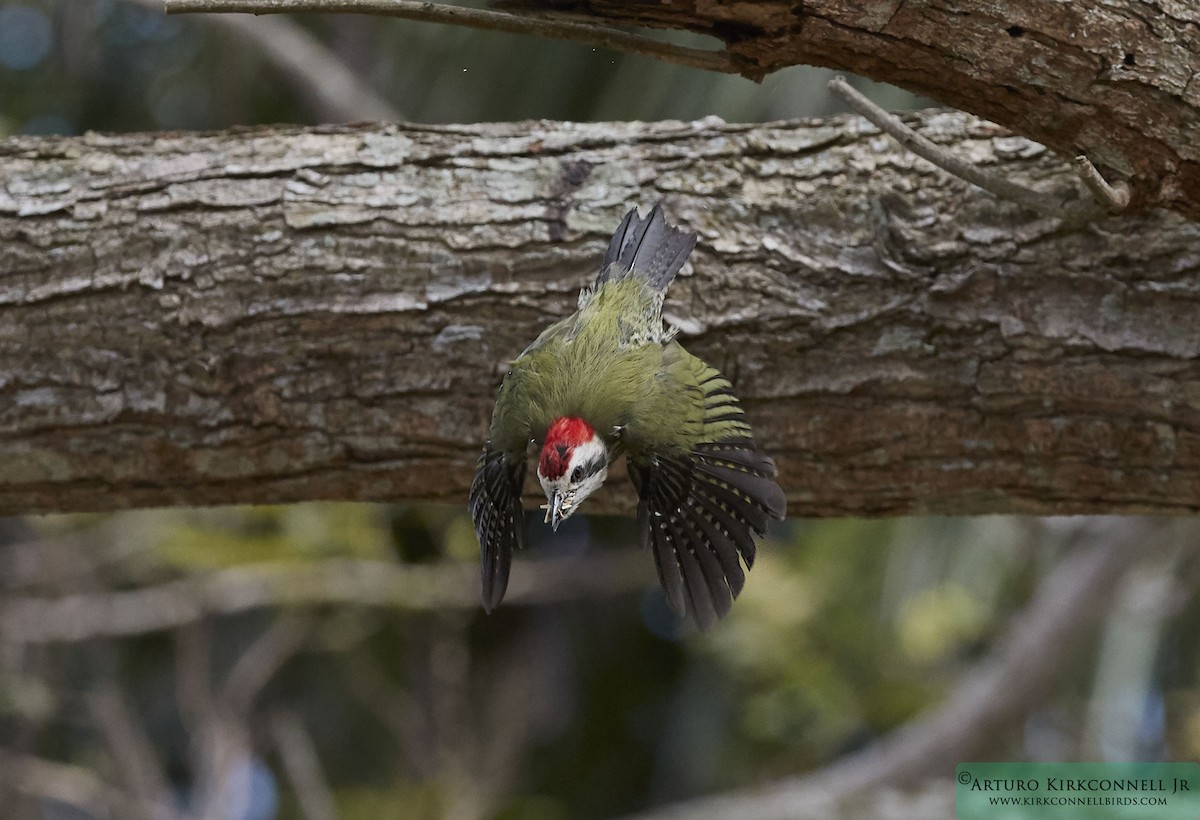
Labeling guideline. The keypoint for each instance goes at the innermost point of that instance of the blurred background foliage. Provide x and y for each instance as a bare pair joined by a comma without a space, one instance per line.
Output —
330,660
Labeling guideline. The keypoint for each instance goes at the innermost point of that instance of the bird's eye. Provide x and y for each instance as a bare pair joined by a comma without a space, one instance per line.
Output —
577,475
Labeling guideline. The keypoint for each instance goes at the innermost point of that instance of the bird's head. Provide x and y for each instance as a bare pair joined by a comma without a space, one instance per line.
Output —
572,466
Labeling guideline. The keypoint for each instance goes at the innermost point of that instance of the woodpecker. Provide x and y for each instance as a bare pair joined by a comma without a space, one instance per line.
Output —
611,380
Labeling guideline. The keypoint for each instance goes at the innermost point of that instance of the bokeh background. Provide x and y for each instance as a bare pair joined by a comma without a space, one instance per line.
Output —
329,660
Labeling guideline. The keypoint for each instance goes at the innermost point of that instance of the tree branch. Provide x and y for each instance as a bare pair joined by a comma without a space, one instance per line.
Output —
85,616
1115,197
1040,201
75,786
261,661
277,315
132,753
330,89
302,766
556,26
1117,82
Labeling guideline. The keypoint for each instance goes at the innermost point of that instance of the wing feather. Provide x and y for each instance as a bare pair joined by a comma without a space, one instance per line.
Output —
658,495
700,510
495,503
699,514
740,531
723,544
717,591
699,600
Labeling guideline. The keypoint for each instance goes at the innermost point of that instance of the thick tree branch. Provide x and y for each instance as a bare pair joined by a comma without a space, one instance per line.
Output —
276,315
1117,82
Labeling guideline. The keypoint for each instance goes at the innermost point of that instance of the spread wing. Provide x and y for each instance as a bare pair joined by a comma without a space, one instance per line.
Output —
495,503
701,506
495,499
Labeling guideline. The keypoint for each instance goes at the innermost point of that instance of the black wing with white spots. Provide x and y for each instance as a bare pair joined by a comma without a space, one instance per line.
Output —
499,520
699,514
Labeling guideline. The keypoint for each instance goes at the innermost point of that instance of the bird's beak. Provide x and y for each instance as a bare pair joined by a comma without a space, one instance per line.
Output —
555,511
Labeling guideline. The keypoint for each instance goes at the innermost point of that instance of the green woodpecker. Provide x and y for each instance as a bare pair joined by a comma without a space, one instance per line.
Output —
609,380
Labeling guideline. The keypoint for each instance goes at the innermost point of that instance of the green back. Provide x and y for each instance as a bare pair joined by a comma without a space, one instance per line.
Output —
612,364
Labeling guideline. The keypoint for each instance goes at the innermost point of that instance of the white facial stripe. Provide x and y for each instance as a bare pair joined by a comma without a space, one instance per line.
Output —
585,454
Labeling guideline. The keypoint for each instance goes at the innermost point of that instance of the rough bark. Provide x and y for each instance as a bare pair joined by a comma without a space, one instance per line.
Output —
278,315
1117,81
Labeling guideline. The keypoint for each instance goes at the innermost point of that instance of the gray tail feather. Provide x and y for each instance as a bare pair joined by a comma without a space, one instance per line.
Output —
649,246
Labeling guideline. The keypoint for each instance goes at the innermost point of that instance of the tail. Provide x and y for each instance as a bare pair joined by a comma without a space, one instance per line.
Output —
649,248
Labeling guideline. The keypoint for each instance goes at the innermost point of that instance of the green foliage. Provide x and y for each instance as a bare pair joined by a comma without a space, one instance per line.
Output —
399,801
211,539
807,643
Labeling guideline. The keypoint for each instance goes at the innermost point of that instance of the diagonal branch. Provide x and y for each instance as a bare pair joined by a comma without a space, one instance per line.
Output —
1040,201
132,752
557,26
50,780
333,92
302,766
256,666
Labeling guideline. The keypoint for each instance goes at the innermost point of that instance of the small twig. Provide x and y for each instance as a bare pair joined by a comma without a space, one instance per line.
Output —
924,148
1115,197
259,663
330,88
75,786
220,749
394,707
539,25
132,752
193,690
302,766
